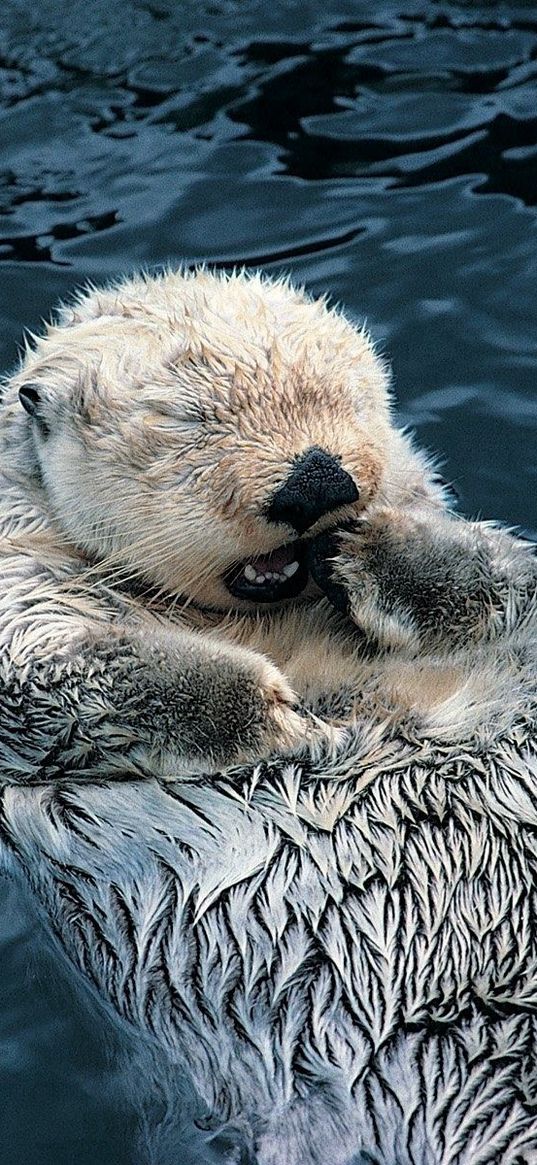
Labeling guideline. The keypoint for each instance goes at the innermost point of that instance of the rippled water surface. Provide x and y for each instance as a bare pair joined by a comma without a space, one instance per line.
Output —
386,153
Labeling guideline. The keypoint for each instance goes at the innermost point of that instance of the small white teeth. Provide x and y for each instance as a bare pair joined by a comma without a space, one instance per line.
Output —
254,576
270,575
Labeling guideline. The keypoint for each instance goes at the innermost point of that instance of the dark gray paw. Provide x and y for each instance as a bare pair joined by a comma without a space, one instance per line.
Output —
321,553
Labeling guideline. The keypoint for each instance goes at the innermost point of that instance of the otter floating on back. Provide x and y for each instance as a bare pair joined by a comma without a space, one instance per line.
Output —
268,736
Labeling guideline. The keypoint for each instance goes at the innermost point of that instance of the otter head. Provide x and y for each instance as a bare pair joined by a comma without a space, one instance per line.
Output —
196,430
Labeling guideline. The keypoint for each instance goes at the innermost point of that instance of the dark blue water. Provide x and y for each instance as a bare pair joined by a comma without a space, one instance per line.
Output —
384,152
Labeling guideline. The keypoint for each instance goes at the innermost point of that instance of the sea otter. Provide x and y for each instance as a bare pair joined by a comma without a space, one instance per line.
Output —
268,733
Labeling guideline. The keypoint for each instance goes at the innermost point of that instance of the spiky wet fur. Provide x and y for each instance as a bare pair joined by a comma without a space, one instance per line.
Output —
338,941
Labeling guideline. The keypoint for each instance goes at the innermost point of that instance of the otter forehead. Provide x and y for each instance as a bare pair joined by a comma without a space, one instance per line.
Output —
238,341
242,312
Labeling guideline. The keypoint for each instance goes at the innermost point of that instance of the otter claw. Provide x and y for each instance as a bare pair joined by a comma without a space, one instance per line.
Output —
321,554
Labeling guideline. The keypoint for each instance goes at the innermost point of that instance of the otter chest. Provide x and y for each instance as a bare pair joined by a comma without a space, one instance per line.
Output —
332,671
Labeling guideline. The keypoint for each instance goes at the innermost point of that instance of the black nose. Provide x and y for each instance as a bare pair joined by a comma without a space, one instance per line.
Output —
315,486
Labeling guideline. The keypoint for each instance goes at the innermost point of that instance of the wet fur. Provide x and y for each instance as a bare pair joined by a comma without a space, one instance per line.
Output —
323,937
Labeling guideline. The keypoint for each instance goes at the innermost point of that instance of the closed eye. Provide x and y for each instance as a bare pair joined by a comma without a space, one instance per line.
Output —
160,419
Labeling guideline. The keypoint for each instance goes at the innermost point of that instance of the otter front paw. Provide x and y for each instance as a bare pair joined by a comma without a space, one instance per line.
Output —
369,571
265,710
406,578
216,705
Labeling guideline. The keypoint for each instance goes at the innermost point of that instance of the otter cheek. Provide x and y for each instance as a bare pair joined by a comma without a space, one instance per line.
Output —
69,487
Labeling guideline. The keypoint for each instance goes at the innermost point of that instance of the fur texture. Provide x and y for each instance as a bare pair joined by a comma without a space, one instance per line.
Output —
292,842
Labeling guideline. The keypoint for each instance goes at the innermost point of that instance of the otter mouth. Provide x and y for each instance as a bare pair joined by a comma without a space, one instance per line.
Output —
268,578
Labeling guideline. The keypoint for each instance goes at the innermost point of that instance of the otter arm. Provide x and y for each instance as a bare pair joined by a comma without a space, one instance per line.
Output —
90,690
423,577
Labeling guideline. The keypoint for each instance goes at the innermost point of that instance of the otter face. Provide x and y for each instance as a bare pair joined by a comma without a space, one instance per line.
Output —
196,430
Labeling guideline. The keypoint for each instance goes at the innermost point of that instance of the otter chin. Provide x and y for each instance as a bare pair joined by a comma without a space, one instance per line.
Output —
268,578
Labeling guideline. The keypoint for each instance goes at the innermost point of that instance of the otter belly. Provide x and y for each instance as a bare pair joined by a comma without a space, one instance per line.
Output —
328,957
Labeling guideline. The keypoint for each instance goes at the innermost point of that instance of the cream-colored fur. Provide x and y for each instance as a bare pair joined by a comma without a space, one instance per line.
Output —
170,409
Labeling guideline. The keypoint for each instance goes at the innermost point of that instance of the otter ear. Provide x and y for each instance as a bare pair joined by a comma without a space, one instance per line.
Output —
29,398
32,401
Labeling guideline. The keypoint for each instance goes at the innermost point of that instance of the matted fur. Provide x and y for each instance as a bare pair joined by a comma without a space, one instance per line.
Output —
337,940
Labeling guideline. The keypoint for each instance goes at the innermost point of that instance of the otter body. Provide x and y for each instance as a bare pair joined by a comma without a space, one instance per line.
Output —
268,733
